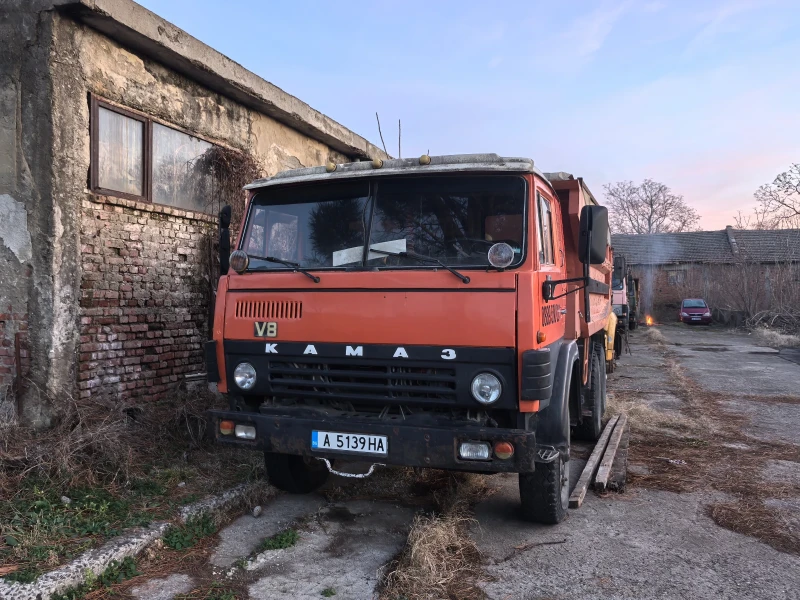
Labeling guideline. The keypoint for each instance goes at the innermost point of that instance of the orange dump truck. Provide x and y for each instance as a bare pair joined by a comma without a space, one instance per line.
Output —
445,312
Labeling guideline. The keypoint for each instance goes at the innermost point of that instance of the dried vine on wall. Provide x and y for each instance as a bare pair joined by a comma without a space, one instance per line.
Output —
230,171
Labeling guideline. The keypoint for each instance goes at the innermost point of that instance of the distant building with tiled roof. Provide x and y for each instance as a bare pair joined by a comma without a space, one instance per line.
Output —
734,269
724,246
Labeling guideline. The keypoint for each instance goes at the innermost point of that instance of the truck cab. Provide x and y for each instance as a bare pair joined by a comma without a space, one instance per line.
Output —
440,312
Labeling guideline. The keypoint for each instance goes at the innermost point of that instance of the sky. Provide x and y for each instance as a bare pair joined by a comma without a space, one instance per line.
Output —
703,96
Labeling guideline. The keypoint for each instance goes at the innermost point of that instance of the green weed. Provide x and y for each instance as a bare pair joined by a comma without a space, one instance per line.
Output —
279,541
116,572
328,592
180,537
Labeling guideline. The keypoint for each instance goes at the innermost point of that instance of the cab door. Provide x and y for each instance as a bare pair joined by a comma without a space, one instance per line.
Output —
551,316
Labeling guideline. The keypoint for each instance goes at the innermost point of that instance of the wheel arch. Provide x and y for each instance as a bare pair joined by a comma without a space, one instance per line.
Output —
553,423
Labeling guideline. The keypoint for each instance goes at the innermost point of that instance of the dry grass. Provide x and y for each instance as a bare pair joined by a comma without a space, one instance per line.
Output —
102,443
120,466
646,419
776,339
654,335
440,560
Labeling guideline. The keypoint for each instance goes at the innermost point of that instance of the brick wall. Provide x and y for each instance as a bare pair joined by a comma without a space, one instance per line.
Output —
14,352
144,297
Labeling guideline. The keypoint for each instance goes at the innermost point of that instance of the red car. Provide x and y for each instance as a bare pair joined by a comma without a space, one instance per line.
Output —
695,310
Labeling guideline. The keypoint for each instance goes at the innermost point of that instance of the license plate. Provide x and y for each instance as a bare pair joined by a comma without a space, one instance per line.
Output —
356,443
695,318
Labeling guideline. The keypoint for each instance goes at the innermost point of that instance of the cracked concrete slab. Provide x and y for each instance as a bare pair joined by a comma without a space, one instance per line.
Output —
241,537
165,588
343,550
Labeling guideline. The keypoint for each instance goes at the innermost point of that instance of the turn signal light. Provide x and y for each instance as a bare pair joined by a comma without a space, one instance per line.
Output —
226,427
503,450
541,337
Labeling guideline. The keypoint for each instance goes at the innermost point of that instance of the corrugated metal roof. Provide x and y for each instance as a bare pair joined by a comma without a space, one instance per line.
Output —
708,246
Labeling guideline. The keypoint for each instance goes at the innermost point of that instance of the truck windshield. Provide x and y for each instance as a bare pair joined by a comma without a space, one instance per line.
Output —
307,225
454,219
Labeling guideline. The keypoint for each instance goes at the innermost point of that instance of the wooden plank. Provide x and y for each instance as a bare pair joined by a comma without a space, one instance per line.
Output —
579,493
619,472
603,473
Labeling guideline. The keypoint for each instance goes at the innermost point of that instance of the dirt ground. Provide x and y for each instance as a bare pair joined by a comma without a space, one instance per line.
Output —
736,462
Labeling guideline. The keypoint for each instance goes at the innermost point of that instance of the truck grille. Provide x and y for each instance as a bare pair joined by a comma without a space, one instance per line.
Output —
368,381
262,310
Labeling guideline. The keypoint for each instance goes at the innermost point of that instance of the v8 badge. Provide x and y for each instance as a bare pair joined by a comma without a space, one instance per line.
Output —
266,329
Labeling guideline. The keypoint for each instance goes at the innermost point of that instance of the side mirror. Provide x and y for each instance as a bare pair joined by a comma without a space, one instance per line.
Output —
594,235
224,239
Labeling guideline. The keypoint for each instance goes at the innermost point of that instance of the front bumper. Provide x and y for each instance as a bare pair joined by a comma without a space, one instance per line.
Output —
413,443
701,321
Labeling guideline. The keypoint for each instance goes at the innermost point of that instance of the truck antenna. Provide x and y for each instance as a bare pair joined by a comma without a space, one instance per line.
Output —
399,134
380,132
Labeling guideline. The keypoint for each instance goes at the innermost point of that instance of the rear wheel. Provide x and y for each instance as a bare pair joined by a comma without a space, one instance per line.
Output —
591,425
295,474
544,494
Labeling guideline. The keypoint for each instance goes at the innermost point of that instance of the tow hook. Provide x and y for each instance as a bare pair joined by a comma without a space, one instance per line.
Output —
351,475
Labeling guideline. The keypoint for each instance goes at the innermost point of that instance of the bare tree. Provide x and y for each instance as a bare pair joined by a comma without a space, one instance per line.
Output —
779,201
650,207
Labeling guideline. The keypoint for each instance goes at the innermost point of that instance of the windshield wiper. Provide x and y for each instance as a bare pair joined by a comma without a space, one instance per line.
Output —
423,258
293,265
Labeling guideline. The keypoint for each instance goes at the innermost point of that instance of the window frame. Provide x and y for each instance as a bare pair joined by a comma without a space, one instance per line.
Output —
97,102
543,258
147,148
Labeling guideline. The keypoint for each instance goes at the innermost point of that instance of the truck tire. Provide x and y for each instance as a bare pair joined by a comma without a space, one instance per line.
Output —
591,426
544,494
295,474
633,324
601,355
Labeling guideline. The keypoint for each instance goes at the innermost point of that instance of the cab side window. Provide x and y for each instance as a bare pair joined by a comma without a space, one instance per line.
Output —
546,252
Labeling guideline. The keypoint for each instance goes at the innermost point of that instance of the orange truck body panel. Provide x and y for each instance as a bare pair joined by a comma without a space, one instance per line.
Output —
496,309
574,196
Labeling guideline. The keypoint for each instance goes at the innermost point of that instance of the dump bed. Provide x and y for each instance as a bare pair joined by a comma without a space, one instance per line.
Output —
573,195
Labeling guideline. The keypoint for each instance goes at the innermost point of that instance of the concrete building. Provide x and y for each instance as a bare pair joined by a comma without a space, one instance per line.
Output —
738,271
106,114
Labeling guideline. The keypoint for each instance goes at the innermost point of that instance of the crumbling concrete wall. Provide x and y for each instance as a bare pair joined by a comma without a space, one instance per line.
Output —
132,286
101,298
29,229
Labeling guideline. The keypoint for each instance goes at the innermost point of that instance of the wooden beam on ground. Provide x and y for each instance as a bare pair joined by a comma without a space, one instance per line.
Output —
619,472
603,473
579,493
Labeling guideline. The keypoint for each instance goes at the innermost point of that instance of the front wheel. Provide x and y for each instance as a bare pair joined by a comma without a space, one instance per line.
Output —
544,494
295,474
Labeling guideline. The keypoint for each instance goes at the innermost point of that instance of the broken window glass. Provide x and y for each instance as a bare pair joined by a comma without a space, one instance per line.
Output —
120,153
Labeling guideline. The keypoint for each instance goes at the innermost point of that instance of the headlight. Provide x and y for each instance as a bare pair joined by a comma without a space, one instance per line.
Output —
244,375
683,314
239,261
486,388
707,314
